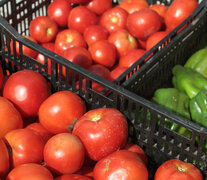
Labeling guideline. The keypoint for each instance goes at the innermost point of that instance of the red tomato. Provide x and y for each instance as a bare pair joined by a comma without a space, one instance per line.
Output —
1,77
81,17
30,171
161,9
99,6
94,33
135,148
4,159
78,1
72,177
133,5
141,24
64,153
60,111
26,89
58,11
155,38
68,38
10,118
103,52
26,146
114,18
102,131
43,29
176,169
121,164
131,57
41,58
123,41
38,128
116,72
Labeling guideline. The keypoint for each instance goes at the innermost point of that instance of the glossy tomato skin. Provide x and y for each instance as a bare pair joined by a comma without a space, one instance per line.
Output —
4,159
60,111
26,146
113,19
102,131
141,24
64,153
58,11
176,169
24,87
30,171
68,38
178,11
10,118
43,29
120,164
99,6
72,177
81,17
103,52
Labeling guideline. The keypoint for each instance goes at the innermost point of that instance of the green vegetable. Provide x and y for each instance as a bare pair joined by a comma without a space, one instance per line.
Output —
198,108
188,80
198,62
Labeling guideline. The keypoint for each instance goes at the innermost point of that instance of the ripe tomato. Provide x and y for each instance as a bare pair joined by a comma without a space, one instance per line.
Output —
30,171
120,164
78,1
114,18
26,89
4,159
116,72
178,11
26,146
10,118
176,169
123,41
161,9
61,110
64,153
99,6
103,52
43,29
81,17
102,131
72,177
141,24
58,11
68,38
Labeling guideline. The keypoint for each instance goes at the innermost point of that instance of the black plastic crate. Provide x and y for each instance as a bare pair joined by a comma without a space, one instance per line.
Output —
158,141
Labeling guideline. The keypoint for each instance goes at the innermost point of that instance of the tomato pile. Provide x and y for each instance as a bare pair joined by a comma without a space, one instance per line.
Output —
97,32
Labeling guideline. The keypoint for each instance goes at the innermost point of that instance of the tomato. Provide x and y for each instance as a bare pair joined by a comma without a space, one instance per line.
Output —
10,118
176,169
133,5
68,38
64,153
116,72
81,17
121,164
26,89
43,29
58,11
131,57
102,131
114,18
103,52
4,159
123,41
1,77
161,9
78,1
30,171
26,146
99,6
94,33
141,24
59,111
72,177
38,128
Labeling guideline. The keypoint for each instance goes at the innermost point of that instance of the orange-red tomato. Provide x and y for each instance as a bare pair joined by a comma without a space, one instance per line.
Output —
72,177
4,159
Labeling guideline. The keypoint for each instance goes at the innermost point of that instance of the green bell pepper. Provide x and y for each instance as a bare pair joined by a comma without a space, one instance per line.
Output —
198,62
198,108
188,80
